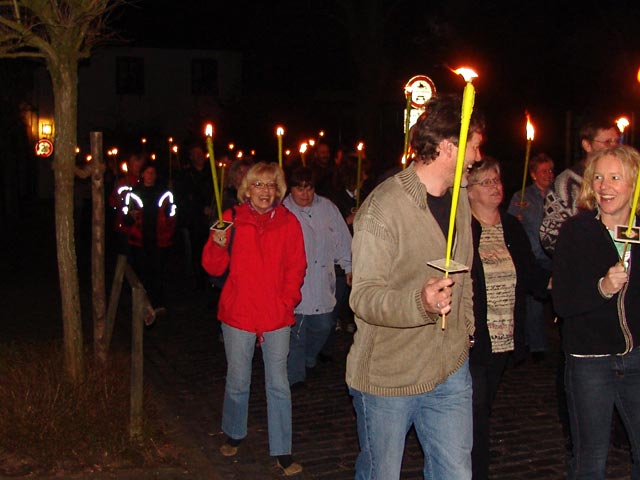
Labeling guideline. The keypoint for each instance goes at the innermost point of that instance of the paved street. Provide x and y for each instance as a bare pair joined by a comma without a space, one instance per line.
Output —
186,361
185,364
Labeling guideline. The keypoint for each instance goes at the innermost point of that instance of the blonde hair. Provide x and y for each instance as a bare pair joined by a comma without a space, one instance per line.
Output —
630,161
261,169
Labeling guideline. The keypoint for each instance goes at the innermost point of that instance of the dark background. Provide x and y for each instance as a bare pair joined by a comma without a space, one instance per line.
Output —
552,58
341,66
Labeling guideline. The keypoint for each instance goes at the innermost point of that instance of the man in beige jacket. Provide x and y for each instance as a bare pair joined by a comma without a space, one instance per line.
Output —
403,368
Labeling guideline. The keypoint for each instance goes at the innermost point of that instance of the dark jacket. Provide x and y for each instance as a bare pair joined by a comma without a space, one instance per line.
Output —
530,278
593,324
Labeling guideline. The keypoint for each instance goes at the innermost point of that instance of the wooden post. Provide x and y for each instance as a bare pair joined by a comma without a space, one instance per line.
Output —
114,299
98,291
137,330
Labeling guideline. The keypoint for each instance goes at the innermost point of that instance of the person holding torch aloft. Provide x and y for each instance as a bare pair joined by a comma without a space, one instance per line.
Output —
264,253
403,369
596,290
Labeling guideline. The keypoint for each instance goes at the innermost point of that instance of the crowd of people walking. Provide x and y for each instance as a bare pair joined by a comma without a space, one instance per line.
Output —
310,247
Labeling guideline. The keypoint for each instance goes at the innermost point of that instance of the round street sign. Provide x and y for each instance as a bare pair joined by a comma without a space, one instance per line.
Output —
44,148
422,89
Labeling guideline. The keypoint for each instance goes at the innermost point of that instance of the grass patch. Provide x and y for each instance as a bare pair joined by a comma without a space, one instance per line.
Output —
48,425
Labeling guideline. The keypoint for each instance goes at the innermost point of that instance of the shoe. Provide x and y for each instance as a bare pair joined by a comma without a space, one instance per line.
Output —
351,327
228,450
149,316
538,357
293,468
324,358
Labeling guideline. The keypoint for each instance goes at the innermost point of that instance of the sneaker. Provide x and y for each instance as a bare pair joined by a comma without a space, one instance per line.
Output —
293,468
228,450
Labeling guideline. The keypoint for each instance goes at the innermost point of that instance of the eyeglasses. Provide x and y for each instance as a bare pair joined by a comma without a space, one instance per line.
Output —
262,185
610,142
489,182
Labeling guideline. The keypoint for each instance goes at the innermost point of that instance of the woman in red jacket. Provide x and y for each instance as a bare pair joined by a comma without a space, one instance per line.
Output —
266,261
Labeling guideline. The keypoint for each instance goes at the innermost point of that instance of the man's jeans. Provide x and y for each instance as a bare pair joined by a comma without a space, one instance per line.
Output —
239,347
594,385
443,422
308,336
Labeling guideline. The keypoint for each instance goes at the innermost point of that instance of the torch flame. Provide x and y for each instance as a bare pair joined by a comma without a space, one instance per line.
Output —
123,167
639,75
208,130
466,73
303,147
622,123
360,146
530,130
231,146
279,131
175,149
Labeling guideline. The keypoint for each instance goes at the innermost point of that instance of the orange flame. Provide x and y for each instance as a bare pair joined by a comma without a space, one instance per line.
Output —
279,131
466,73
530,130
208,130
622,123
639,75
303,147
360,146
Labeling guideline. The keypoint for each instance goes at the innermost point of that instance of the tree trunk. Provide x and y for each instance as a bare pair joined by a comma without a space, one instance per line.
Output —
64,76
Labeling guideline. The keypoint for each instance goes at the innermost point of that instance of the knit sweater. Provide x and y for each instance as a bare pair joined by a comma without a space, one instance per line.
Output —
399,349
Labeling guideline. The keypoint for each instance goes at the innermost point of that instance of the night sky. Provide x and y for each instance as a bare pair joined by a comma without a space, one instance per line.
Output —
547,57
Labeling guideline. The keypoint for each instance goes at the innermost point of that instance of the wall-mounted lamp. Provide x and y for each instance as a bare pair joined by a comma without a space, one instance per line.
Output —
46,129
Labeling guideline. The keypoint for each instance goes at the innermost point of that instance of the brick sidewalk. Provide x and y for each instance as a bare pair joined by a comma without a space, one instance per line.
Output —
186,362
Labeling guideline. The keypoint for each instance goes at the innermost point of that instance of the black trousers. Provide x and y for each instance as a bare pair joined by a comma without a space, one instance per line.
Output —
486,379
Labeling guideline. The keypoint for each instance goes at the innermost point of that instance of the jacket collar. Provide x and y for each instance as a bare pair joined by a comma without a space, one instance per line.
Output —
409,180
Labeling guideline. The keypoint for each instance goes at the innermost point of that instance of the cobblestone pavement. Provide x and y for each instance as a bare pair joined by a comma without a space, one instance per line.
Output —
185,365
185,359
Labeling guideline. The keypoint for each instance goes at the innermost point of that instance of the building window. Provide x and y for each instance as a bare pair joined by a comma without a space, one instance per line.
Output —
129,76
204,76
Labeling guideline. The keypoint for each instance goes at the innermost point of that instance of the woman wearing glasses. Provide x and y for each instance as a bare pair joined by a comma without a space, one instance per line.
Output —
596,290
503,272
264,252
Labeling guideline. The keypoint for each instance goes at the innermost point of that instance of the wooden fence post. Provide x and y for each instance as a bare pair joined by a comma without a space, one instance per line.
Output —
137,330
100,348
114,299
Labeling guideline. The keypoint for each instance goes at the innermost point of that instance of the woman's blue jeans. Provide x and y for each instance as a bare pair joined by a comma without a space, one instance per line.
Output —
594,385
308,336
239,347
443,421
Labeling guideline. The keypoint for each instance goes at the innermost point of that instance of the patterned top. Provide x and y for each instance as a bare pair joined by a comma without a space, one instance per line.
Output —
500,279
